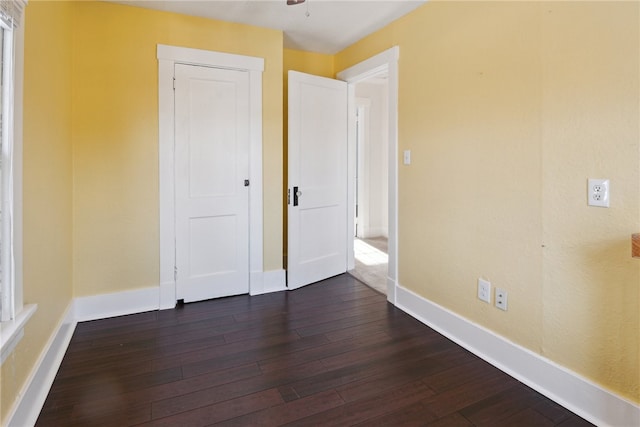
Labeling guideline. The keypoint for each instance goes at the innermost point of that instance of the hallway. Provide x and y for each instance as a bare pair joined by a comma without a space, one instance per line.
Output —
371,262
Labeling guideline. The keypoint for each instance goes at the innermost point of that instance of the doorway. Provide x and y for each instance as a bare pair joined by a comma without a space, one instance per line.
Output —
370,243
168,58
380,69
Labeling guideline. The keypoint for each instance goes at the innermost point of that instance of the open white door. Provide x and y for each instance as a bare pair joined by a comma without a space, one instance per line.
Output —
211,194
317,180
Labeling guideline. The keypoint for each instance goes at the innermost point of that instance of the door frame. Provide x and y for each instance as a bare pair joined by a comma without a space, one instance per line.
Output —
167,57
361,193
384,61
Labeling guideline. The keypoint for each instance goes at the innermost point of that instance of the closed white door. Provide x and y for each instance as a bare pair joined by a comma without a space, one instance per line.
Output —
317,156
211,173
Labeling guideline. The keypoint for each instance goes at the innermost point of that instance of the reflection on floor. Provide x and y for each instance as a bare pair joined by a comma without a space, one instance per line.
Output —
371,262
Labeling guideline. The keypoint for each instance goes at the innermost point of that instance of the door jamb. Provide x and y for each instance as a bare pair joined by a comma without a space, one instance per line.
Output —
167,57
384,61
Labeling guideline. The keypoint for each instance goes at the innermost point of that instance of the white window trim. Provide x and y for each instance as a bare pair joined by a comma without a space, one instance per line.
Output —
7,307
12,330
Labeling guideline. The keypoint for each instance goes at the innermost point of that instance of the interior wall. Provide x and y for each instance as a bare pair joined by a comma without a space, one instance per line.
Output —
508,108
47,188
115,137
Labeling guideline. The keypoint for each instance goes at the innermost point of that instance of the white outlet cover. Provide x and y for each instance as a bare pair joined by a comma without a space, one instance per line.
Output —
598,192
484,290
501,299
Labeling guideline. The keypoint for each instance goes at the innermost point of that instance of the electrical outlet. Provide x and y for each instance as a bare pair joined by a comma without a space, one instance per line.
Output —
598,192
484,290
501,299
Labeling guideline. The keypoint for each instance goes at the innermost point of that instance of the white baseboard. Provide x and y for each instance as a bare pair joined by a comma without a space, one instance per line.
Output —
563,386
271,281
167,295
117,304
391,290
34,392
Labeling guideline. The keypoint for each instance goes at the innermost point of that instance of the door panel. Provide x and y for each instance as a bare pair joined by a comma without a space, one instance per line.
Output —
317,228
212,162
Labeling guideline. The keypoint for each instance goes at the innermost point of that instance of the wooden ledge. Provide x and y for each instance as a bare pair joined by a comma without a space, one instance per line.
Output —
635,245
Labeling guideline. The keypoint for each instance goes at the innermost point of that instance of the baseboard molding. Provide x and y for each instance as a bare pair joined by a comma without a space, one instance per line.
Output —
563,386
117,304
391,290
167,295
36,388
271,281
159,298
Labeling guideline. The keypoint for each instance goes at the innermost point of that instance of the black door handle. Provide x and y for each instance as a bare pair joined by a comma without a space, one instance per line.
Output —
296,193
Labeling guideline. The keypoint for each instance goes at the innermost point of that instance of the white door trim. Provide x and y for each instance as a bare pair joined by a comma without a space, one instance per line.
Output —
384,61
168,56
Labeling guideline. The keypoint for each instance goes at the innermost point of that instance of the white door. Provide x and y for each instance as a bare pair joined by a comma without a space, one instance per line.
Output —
211,196
317,210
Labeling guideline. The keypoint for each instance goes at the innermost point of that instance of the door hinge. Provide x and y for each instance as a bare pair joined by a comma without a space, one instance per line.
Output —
175,273
288,196
174,83
246,182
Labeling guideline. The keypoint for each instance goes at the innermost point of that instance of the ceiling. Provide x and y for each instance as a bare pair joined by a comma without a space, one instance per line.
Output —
328,27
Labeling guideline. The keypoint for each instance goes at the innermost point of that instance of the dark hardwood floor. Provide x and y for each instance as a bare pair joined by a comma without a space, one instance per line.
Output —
334,353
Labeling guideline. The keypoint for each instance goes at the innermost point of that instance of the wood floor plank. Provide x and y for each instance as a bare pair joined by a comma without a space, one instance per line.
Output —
245,349
453,420
297,345
501,407
455,399
222,411
364,410
234,389
288,412
528,417
334,353
413,415
322,351
168,391
388,377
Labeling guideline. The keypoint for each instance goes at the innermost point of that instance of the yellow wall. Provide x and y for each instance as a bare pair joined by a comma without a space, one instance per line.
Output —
91,154
47,189
115,134
508,108
306,62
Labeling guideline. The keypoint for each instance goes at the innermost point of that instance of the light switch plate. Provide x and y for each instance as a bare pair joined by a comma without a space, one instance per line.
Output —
407,157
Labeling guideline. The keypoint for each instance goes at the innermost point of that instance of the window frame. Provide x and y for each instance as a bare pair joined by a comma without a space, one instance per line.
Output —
12,329
7,282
